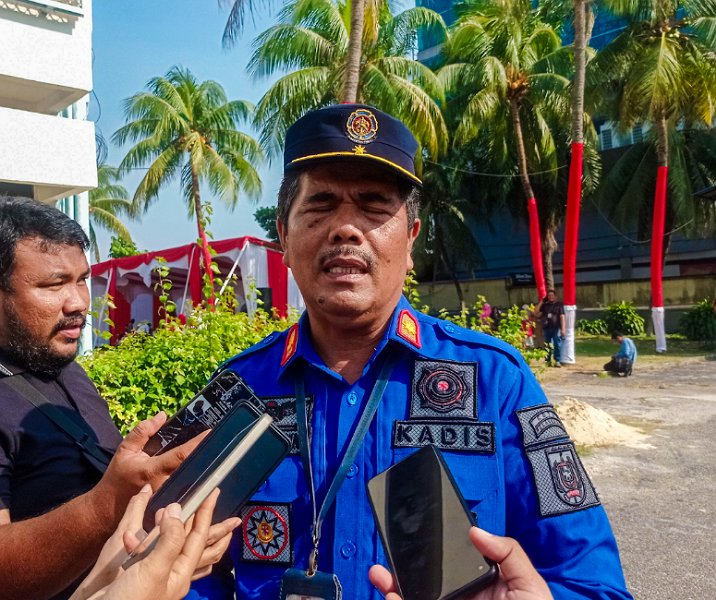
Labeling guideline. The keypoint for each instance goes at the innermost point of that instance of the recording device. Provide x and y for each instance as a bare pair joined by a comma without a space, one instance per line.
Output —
254,454
424,526
204,411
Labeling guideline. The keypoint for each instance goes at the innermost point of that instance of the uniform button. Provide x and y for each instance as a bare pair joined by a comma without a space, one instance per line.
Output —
450,328
352,471
348,549
352,398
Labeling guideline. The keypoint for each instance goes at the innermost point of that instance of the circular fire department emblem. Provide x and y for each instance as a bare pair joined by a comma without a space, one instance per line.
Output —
362,126
265,532
441,389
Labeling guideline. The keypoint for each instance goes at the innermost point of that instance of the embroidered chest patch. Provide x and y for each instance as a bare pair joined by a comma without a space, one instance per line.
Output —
441,388
562,482
283,411
443,410
266,533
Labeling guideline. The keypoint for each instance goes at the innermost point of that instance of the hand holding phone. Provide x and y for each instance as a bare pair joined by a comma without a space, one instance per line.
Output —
423,523
518,577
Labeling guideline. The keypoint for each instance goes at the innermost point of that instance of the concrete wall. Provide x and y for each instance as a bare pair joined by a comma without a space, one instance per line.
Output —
40,48
54,154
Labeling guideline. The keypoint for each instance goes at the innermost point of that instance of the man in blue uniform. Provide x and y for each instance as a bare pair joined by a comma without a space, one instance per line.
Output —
347,220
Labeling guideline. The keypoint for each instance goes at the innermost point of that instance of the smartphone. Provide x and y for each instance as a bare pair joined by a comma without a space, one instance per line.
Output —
424,525
241,481
204,411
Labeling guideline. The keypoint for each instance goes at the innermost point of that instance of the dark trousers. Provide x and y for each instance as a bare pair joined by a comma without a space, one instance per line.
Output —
619,364
553,339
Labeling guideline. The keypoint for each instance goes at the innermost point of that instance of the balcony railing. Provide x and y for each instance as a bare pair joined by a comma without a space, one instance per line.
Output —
53,9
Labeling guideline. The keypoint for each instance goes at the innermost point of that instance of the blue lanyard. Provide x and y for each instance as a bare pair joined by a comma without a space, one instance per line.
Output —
350,455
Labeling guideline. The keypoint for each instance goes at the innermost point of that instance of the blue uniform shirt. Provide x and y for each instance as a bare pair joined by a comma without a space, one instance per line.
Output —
465,392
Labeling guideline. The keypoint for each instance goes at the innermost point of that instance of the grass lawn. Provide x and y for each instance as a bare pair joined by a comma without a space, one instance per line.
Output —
603,346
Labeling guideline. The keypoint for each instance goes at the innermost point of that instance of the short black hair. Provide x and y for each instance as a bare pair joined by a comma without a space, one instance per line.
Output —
22,218
291,184
617,334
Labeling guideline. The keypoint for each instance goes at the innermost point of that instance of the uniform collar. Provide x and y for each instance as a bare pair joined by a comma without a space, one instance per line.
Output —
404,329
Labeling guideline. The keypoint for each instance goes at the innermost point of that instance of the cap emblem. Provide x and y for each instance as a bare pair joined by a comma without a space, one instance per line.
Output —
362,126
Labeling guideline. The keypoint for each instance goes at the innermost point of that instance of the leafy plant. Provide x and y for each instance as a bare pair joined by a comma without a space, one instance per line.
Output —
699,322
622,316
510,328
148,373
120,247
593,327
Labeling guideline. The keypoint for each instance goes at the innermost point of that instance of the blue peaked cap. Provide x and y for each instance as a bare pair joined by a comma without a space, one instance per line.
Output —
351,132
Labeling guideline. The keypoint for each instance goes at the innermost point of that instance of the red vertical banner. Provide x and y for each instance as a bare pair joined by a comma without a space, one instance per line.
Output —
278,281
194,275
657,237
536,248
571,235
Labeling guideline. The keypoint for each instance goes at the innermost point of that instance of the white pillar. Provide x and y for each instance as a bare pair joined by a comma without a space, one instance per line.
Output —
570,318
657,318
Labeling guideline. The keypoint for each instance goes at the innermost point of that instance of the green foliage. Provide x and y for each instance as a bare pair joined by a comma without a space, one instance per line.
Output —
147,373
309,48
509,328
699,323
622,316
120,247
266,218
593,327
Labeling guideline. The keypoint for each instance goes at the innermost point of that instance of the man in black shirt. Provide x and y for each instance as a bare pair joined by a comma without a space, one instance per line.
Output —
550,311
59,499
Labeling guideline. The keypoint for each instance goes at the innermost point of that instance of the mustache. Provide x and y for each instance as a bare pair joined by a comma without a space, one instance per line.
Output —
345,252
70,322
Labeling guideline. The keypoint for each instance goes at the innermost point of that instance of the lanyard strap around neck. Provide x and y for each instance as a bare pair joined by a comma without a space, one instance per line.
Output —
350,455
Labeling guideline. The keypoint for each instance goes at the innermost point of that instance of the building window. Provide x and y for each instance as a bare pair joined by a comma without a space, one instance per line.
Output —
606,135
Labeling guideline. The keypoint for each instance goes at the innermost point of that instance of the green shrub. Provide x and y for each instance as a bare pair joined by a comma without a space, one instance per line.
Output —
699,322
593,327
147,373
622,316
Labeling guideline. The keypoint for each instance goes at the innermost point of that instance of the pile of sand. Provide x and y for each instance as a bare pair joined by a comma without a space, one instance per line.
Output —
590,426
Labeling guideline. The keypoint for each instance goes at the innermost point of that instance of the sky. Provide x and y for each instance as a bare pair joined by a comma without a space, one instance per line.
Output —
135,40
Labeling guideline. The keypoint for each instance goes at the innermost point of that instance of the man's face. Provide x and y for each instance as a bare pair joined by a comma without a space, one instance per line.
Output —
348,243
42,315
551,296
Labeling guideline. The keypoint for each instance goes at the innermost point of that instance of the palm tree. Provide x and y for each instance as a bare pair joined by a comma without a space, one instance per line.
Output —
311,43
107,203
508,72
188,129
661,70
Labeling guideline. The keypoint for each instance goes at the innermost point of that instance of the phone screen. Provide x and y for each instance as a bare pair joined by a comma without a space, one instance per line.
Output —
241,482
424,525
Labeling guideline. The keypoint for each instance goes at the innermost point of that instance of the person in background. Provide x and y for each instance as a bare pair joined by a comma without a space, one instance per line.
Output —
550,311
623,361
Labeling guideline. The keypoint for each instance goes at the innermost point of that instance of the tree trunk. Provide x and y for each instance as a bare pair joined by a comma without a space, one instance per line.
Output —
657,232
574,189
548,249
355,50
535,238
199,211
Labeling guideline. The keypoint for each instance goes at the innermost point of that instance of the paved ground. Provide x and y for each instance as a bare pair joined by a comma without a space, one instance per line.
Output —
661,499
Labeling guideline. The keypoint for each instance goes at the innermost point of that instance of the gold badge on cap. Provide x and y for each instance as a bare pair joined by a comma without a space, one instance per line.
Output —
362,126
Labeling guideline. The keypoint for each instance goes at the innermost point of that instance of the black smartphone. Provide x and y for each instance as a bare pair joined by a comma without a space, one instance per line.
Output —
204,411
242,481
424,526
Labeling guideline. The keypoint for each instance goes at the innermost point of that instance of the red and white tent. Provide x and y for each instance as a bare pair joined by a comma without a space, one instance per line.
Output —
130,281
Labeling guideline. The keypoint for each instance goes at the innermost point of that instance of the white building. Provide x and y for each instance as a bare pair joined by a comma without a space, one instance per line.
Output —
47,148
